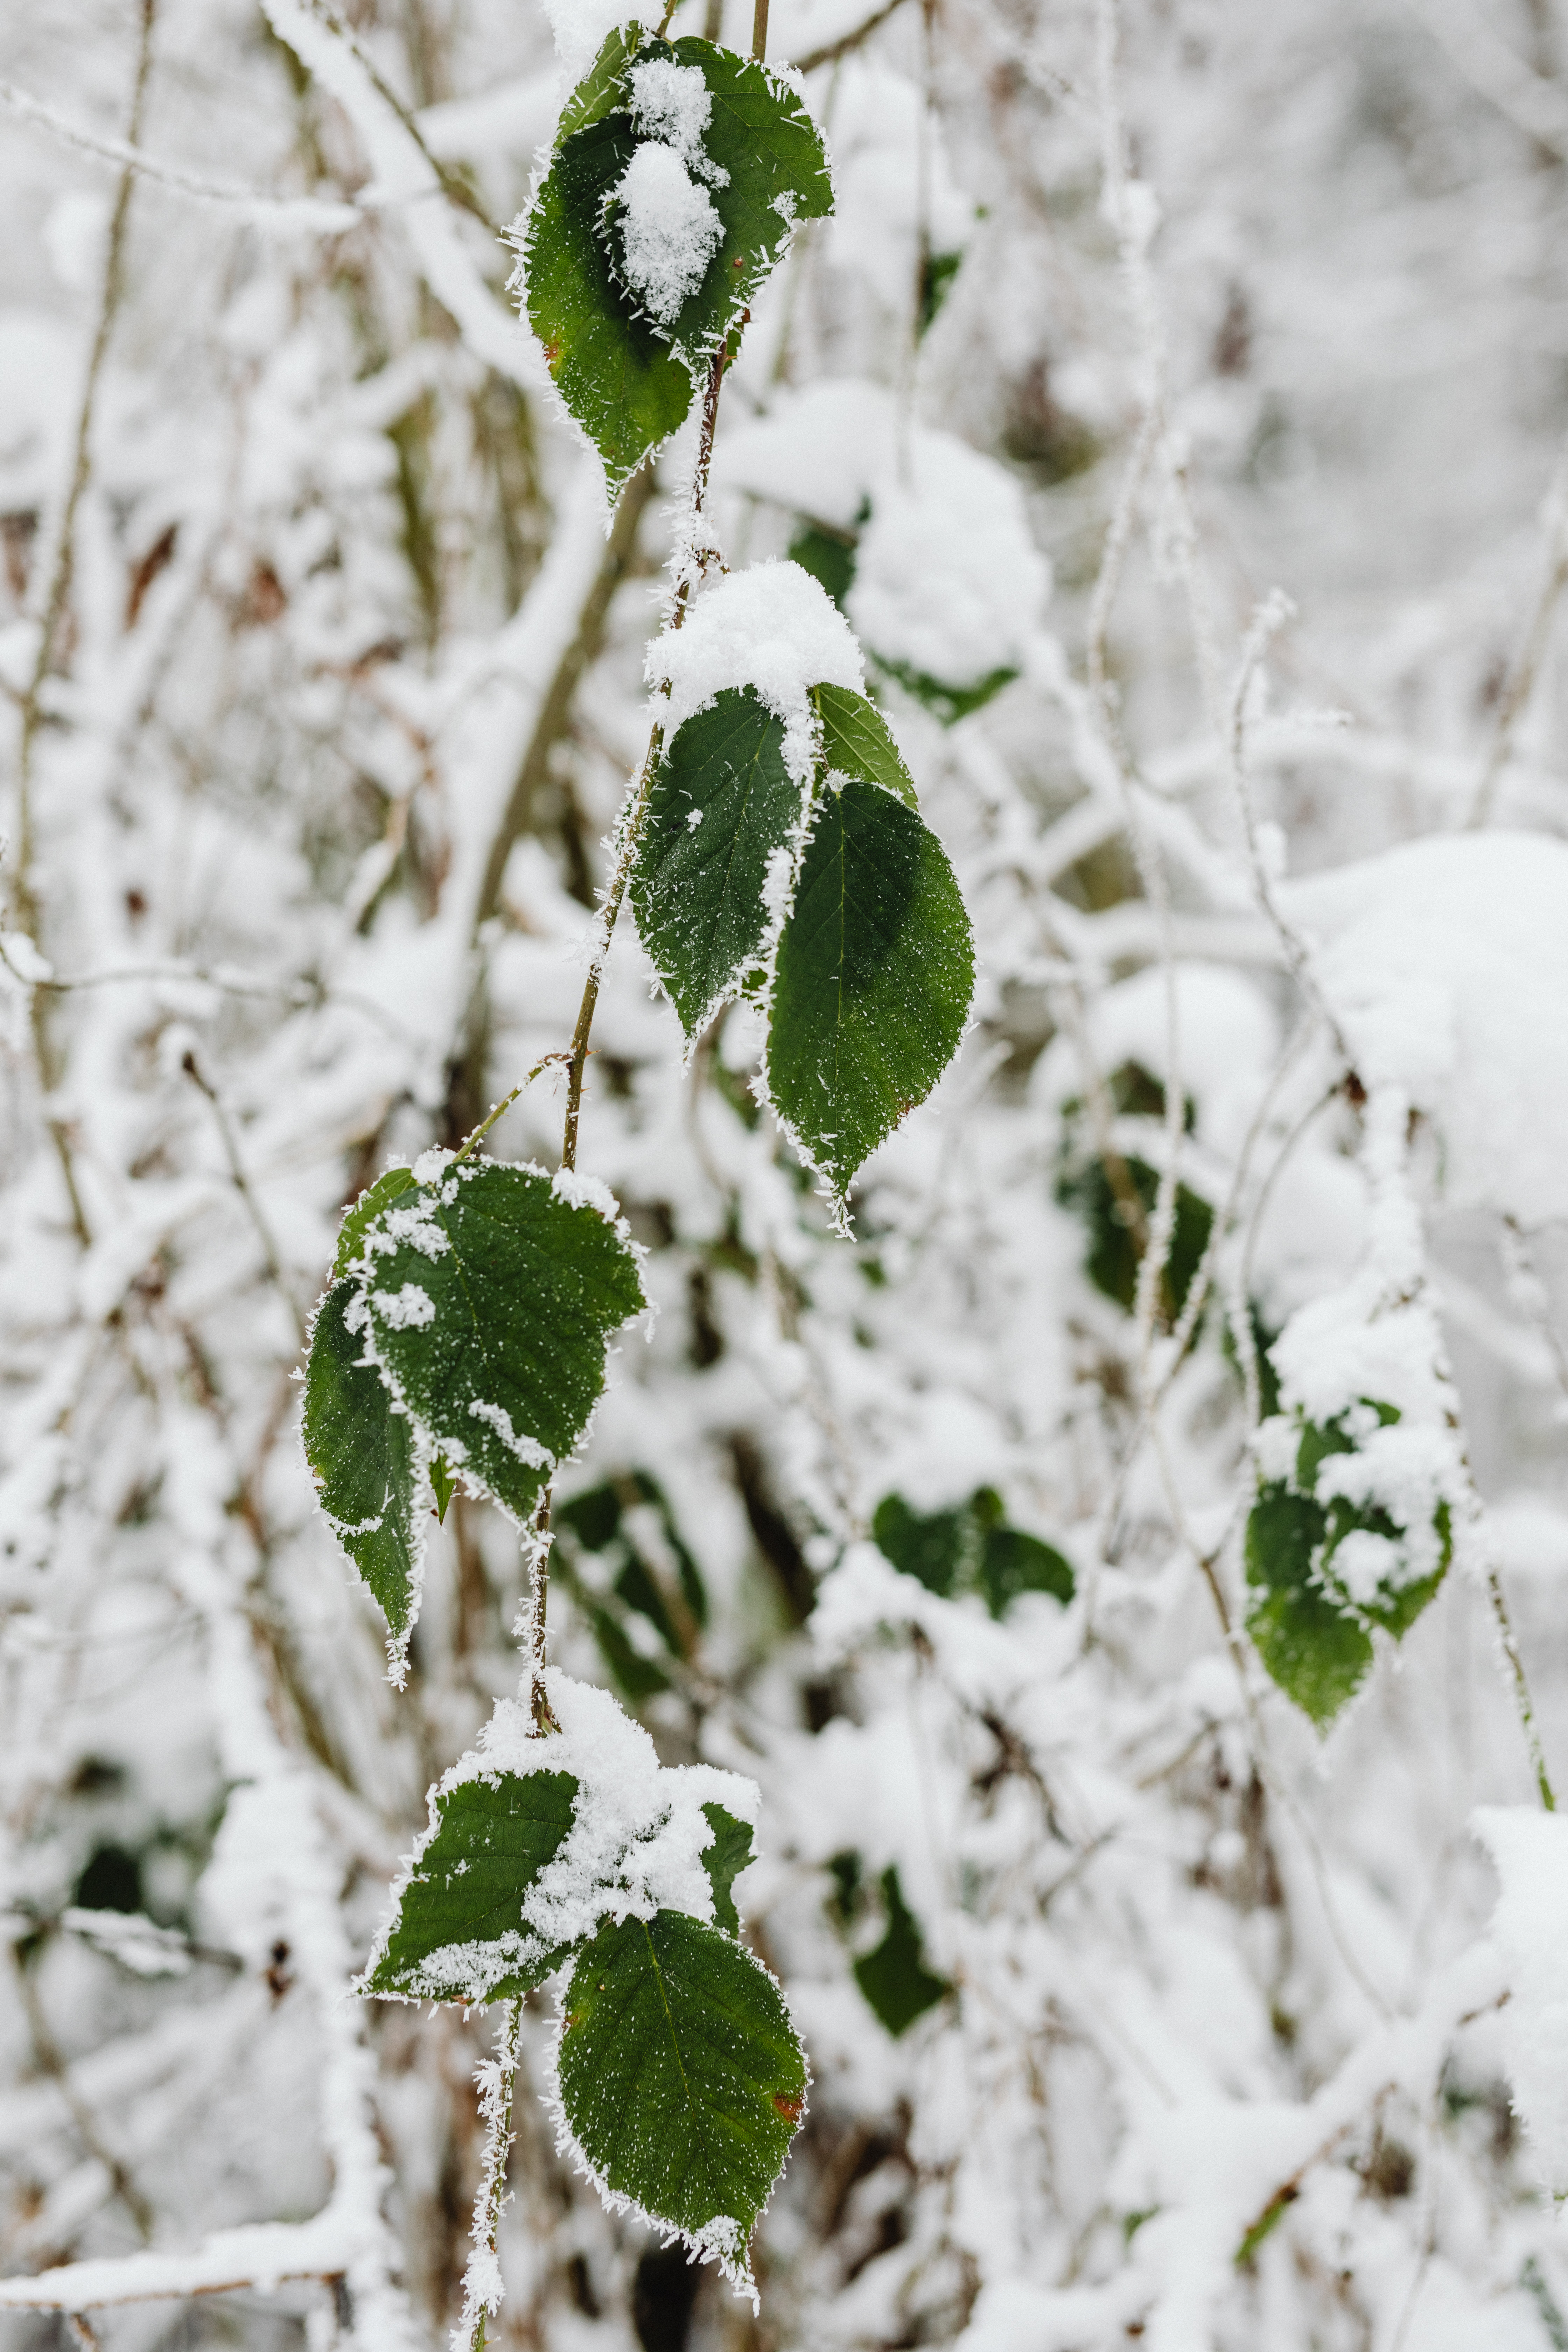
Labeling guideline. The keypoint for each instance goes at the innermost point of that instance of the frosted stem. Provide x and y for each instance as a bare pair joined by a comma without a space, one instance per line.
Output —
482,2284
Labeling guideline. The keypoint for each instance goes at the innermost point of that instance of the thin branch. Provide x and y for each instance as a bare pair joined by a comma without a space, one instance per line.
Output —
831,51
497,2079
1519,684
326,214
242,1185
555,710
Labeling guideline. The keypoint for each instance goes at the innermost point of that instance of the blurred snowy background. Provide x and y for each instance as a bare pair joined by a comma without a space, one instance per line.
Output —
1136,2011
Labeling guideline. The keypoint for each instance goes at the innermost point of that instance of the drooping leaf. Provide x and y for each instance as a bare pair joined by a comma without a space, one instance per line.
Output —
721,809
894,1978
444,1483
724,1860
492,1297
1313,1637
459,1934
626,378
873,980
858,742
365,1460
681,2077
623,384
1314,1650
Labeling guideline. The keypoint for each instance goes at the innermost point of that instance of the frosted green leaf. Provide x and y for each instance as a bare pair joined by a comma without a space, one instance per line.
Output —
458,1934
858,742
491,1294
365,1457
622,383
722,804
1314,1640
724,1860
873,980
1315,1650
366,1209
681,2080
625,376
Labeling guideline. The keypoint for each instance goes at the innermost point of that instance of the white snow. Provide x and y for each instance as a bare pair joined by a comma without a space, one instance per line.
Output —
673,103
670,229
1529,1849
636,1843
1447,963
771,627
948,579
527,1449
409,1309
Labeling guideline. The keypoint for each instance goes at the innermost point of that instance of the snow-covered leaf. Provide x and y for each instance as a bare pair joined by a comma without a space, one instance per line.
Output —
458,1933
715,851
365,1457
490,1294
678,173
682,2082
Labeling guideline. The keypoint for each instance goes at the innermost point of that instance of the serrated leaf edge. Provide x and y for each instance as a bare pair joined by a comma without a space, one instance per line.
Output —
579,1192
712,2244
424,1502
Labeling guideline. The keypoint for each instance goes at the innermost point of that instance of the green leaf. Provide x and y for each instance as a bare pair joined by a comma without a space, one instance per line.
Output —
624,385
1112,1258
626,378
724,1860
444,1483
873,980
828,556
1012,1562
760,134
970,1548
681,2078
945,701
894,1979
365,1459
1312,1637
928,1547
858,742
700,889
492,1297
459,1933
1315,1651
639,1677
366,1209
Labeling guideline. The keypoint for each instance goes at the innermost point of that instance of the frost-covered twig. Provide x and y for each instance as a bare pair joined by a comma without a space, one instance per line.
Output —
1520,683
496,2078
324,216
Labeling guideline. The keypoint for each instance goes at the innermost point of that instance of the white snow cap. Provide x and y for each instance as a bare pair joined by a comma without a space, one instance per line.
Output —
771,627
637,1840
948,579
673,103
670,229
1447,963
1529,1849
